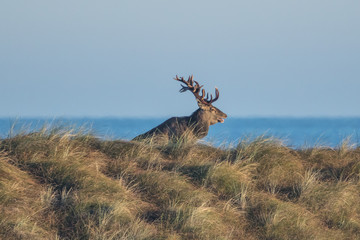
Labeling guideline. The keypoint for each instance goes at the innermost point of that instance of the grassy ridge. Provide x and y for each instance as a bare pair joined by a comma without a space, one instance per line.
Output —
55,184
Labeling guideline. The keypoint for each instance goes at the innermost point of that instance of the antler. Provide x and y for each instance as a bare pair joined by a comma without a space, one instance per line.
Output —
195,89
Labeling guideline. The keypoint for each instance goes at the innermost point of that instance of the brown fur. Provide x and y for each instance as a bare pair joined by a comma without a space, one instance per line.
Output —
195,126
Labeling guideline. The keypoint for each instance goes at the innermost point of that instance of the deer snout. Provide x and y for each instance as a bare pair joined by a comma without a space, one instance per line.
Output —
221,118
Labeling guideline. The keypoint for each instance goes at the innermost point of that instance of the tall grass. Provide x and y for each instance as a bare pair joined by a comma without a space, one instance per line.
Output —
58,183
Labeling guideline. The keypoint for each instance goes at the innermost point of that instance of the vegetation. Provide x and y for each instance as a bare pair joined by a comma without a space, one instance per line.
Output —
58,184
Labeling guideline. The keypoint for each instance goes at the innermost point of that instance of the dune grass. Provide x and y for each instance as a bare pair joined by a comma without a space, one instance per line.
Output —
63,184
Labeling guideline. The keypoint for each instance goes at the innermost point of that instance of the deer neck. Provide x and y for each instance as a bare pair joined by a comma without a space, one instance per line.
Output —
199,122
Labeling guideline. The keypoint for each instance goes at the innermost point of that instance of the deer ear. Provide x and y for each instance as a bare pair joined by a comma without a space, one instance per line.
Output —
202,105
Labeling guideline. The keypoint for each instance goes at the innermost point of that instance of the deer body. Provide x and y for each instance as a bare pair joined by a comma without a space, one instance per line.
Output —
195,126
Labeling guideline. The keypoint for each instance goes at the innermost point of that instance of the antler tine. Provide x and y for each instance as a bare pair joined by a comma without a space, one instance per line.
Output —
216,96
196,90
190,81
197,86
184,88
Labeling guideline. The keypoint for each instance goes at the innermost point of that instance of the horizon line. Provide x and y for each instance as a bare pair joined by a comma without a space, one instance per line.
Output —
169,116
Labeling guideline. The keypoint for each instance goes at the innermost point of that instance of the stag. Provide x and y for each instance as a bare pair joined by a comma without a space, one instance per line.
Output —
195,126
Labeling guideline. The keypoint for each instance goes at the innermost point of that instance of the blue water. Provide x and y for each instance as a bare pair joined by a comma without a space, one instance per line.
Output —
296,132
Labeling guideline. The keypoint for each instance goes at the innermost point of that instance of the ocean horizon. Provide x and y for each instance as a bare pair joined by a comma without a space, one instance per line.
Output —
294,131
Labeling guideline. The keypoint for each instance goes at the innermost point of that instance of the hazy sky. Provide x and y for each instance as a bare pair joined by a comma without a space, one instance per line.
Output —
118,58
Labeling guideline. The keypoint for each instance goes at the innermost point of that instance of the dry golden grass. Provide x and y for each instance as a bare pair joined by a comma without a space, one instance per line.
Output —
24,210
58,184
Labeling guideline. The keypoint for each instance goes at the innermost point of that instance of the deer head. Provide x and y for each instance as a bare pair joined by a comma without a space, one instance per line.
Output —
207,111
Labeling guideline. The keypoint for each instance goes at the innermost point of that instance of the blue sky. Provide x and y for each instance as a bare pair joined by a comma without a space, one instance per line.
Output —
118,58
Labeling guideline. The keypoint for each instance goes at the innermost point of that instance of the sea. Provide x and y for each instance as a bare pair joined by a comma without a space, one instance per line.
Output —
293,132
